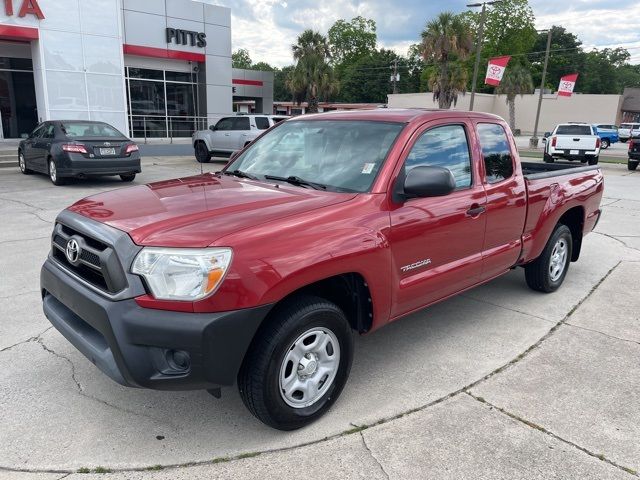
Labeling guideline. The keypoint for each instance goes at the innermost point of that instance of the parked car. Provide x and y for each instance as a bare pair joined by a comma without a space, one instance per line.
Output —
573,141
608,134
634,154
379,214
628,130
65,149
230,134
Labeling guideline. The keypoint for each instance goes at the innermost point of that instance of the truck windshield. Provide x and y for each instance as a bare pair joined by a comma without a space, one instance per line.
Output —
342,155
573,130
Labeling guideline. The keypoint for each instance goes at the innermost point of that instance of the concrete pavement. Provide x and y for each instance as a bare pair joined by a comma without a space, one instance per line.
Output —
500,382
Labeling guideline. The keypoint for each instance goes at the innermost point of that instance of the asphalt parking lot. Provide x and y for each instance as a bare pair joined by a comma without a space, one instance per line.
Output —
500,382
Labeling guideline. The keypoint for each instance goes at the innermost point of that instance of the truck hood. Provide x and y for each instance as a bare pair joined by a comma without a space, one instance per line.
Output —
196,211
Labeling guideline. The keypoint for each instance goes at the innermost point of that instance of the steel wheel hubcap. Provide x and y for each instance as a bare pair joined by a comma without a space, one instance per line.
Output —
309,367
52,171
558,259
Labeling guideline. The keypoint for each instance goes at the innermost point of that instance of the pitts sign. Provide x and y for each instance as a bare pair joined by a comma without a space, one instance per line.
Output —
28,7
186,37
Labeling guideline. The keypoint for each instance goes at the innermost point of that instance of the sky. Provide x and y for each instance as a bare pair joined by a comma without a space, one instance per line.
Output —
267,28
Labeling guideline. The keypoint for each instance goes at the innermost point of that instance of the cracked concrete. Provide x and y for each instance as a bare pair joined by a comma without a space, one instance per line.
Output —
553,394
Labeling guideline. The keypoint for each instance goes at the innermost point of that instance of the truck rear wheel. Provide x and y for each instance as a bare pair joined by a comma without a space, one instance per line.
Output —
298,363
594,160
203,155
604,143
547,158
632,164
546,273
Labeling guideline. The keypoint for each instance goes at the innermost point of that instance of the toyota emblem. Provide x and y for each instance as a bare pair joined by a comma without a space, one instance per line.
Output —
73,250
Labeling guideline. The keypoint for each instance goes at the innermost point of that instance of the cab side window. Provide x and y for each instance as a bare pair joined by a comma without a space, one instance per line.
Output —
241,123
498,161
444,146
262,123
225,124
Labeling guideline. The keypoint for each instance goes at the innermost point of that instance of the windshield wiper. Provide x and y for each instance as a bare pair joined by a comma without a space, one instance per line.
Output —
297,181
240,174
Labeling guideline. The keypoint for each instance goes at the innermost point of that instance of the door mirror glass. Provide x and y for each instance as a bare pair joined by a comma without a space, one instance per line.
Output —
427,181
547,134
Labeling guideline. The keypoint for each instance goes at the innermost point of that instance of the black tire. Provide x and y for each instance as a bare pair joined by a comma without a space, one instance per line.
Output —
259,376
538,274
203,155
604,143
632,164
547,158
53,175
22,164
594,160
128,177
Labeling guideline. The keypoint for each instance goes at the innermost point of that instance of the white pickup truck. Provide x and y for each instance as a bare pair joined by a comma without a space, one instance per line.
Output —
230,134
573,141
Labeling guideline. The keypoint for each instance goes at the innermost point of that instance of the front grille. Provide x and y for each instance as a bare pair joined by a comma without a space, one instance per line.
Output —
96,263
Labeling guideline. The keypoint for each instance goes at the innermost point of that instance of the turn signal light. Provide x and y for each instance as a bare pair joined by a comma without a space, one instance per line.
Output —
131,148
598,142
553,141
74,148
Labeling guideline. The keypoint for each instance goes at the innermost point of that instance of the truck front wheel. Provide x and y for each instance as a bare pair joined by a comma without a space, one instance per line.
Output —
298,363
632,164
203,155
546,273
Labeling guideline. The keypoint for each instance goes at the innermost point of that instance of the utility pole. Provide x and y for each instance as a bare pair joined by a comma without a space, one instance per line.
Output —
478,46
395,77
533,141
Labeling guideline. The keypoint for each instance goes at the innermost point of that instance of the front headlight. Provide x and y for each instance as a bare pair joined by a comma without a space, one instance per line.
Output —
182,273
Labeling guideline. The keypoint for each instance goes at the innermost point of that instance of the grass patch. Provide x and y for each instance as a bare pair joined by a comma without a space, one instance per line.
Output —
248,455
155,467
220,460
84,470
603,158
101,470
356,429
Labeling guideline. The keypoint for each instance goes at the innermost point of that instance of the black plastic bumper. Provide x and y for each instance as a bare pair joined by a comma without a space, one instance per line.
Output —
77,165
136,346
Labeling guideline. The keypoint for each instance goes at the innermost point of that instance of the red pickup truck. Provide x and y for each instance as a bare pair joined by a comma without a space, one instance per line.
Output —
325,226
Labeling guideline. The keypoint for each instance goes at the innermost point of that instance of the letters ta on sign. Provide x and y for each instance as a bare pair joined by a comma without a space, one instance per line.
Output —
186,37
28,7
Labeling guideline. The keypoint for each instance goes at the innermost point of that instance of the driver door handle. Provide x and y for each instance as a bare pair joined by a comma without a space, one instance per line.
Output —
476,210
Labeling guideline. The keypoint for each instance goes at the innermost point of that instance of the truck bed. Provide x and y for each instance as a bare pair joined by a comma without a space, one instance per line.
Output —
537,170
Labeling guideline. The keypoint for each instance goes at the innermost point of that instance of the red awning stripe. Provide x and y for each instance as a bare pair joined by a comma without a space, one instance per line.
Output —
162,53
13,32
241,81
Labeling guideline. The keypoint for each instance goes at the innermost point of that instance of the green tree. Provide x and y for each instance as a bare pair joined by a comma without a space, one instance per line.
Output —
241,59
516,81
349,41
601,71
365,81
566,57
281,92
263,66
312,78
445,42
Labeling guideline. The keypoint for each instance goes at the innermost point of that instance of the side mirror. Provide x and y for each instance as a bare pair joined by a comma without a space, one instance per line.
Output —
547,134
212,128
428,182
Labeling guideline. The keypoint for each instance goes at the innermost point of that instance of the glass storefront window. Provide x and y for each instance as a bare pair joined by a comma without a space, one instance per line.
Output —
18,110
161,103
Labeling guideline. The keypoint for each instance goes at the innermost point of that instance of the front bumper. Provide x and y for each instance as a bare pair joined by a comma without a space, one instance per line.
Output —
78,165
135,346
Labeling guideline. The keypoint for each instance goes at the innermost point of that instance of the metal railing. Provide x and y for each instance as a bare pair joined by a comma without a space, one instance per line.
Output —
167,127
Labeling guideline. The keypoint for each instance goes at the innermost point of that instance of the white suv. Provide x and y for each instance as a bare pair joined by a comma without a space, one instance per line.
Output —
628,130
230,134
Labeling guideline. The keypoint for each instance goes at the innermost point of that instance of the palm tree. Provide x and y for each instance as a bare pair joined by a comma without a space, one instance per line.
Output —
516,81
446,40
312,78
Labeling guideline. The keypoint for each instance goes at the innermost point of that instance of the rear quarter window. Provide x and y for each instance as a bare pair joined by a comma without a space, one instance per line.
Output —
262,123
498,161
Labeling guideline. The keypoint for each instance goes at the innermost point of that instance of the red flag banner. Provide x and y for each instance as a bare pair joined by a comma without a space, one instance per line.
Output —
567,84
495,70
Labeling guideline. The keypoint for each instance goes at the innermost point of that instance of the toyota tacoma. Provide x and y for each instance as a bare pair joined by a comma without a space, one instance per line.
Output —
324,227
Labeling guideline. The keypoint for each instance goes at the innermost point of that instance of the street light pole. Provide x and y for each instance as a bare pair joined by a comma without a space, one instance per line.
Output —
478,46
533,141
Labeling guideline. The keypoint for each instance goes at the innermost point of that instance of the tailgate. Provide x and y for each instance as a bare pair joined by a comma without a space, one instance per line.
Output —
576,142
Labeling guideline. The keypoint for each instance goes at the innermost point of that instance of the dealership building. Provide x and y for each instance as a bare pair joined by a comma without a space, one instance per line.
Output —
154,68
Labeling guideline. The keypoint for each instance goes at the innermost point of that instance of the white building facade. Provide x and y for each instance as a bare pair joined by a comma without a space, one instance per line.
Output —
151,68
